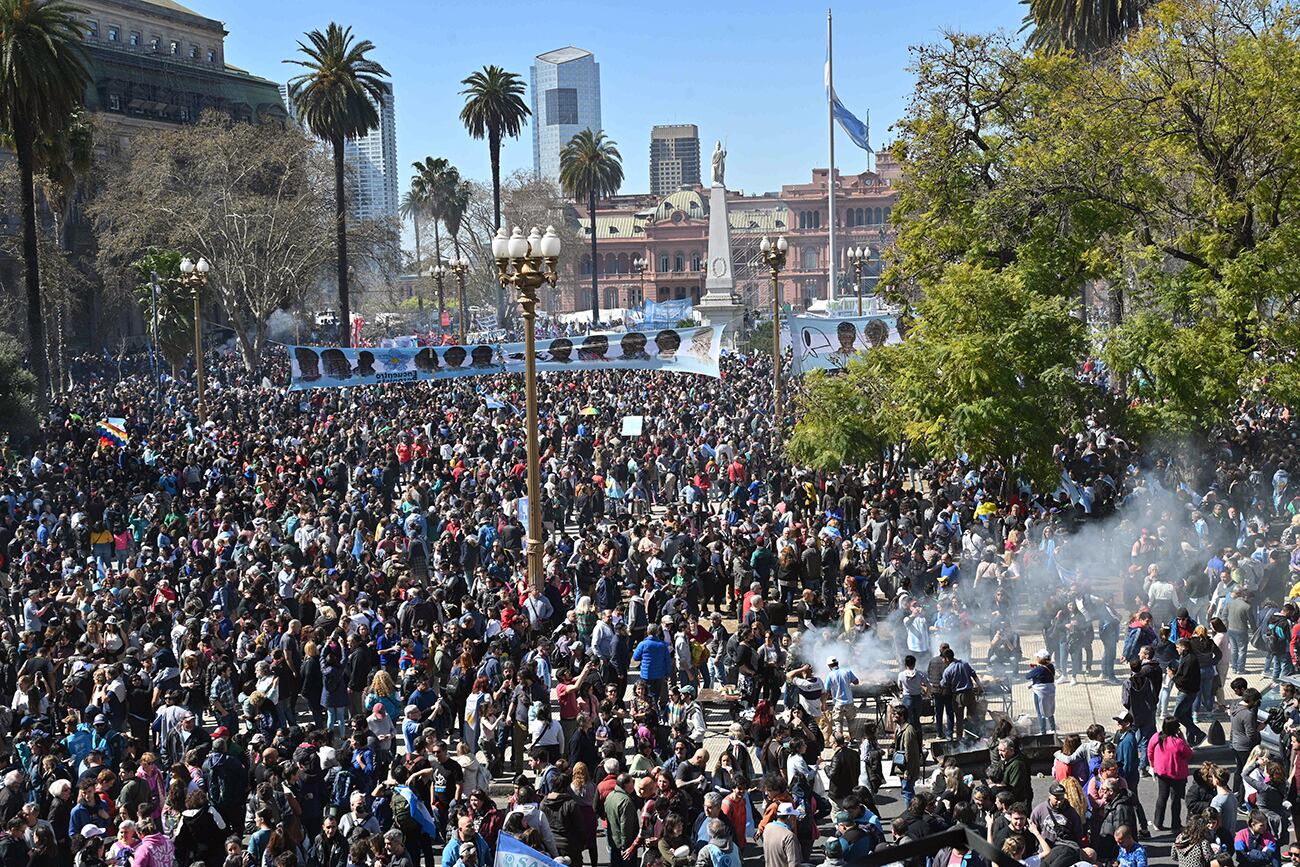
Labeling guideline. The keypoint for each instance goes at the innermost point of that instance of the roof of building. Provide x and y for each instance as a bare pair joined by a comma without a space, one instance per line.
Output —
613,226
759,219
564,55
683,200
173,6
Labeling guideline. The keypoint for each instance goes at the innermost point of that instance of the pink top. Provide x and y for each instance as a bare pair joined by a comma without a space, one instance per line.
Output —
1169,756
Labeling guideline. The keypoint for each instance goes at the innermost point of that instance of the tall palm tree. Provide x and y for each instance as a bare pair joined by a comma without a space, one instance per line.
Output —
337,100
1087,27
412,208
439,178
456,206
43,76
591,167
494,107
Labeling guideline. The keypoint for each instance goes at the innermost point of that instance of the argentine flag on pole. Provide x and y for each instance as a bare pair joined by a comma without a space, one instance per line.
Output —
512,853
855,129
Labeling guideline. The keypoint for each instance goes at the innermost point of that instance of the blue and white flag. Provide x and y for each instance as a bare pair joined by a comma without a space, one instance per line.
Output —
512,853
858,131
419,812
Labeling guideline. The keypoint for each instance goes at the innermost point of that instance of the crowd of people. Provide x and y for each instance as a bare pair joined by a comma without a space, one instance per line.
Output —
303,633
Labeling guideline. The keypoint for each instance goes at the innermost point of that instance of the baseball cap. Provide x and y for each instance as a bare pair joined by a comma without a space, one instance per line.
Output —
100,718
1056,790
832,662
1125,718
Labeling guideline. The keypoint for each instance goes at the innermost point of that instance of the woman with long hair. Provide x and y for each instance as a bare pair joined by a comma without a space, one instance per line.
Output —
470,725
1168,754
584,792
382,689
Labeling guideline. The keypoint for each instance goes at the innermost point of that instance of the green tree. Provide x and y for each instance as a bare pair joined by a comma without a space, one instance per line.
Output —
19,399
412,208
987,370
43,76
175,304
494,107
1087,27
337,100
441,183
591,167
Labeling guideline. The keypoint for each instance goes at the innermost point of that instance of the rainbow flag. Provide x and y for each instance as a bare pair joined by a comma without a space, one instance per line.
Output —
112,431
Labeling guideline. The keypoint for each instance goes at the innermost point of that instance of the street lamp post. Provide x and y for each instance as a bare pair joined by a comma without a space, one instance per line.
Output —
858,257
774,258
526,264
460,267
439,273
196,275
639,266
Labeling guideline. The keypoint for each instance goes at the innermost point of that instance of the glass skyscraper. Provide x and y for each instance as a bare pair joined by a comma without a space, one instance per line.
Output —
566,100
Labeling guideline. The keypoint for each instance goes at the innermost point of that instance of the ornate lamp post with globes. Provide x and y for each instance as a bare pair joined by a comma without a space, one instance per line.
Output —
525,265
774,258
858,257
439,273
195,275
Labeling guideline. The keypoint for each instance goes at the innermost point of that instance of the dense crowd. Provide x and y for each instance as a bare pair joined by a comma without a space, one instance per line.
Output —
303,633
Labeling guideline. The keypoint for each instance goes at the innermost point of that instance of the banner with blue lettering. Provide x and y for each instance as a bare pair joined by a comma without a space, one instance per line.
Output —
663,314
678,350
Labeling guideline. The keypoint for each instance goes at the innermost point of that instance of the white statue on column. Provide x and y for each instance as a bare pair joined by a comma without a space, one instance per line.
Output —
719,164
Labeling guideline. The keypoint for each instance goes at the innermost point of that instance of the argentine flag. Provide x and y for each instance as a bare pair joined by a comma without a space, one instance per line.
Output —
856,130
512,853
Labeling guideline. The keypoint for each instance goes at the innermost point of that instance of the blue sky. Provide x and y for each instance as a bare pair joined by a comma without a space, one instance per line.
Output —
749,73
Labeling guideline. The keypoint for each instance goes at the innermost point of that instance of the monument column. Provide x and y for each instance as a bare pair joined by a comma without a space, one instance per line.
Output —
717,307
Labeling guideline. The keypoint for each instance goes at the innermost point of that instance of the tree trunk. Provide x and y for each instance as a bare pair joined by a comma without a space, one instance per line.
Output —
437,260
460,281
415,218
341,230
22,136
494,147
595,290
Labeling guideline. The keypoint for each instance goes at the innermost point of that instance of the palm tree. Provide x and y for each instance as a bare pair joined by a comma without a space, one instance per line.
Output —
1087,27
412,208
43,77
494,108
439,178
337,100
591,167
457,204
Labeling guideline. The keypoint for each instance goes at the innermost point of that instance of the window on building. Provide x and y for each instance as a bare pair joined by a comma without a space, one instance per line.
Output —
212,56
880,217
185,114
561,106
155,42
808,258
134,39
586,265
611,298
663,263
634,297
114,102
817,219
695,261
886,219
194,52
679,262
113,32
92,28
849,218
175,47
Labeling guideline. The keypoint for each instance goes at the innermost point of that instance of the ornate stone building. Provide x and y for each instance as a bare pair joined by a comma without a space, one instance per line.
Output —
671,235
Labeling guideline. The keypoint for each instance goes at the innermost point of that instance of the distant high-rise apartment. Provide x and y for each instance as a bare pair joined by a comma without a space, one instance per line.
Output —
566,100
372,160
674,158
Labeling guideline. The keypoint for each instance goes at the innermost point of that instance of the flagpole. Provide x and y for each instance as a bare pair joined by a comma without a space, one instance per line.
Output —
830,175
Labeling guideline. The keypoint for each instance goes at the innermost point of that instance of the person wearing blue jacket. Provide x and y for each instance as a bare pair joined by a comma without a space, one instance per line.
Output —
656,663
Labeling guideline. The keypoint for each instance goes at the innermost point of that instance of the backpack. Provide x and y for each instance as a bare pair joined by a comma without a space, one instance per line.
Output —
341,785
1130,643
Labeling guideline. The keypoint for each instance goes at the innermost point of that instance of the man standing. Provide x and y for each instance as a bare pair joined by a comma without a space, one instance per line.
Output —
656,662
1128,748
621,812
839,684
780,845
963,683
1187,679
911,686
907,754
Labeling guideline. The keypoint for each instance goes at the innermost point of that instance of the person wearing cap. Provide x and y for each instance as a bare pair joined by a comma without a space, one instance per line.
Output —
780,842
1056,819
1128,748
857,840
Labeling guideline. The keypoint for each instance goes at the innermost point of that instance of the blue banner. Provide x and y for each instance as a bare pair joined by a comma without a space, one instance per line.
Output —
664,314
512,853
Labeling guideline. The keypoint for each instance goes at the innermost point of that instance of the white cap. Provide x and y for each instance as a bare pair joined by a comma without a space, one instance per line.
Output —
832,662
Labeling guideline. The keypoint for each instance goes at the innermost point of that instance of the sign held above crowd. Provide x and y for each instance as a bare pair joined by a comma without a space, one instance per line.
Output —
688,350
